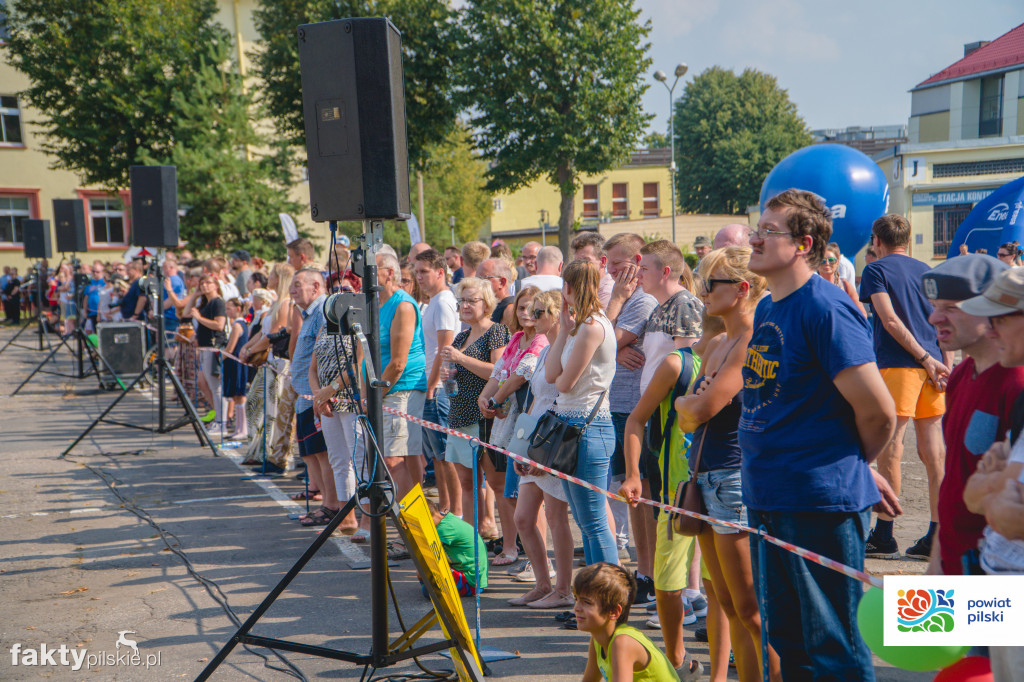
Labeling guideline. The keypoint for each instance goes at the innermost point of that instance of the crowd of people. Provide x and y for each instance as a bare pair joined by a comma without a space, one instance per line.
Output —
772,376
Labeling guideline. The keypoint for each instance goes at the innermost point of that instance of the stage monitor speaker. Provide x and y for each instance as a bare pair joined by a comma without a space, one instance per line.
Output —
154,206
35,234
123,344
69,224
353,100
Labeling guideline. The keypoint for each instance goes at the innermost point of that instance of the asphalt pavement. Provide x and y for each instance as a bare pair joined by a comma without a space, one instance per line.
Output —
150,540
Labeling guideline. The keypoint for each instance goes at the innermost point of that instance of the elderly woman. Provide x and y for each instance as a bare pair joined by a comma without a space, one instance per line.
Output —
473,353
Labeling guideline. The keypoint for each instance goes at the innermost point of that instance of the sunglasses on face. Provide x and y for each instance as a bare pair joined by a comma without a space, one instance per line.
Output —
831,260
709,284
538,313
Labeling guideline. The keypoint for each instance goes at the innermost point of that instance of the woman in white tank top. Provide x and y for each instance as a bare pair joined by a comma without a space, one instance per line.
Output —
581,364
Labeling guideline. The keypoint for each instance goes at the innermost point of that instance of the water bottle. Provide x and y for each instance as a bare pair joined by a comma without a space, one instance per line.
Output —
451,386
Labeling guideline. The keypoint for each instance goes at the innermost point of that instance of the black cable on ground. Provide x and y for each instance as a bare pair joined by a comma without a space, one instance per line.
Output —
211,587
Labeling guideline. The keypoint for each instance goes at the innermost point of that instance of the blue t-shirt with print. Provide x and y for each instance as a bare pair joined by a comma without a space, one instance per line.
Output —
92,293
801,449
170,313
415,376
900,277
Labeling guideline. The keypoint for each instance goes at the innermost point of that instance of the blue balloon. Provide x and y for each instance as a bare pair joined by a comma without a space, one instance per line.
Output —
852,185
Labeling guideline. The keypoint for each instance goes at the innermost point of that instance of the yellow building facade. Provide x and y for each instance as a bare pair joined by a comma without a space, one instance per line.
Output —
965,140
28,184
637,191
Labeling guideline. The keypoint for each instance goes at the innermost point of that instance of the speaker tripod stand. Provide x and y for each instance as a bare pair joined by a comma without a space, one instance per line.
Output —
163,371
78,356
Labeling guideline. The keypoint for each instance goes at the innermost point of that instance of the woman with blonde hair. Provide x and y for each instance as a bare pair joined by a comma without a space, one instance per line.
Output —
473,353
829,269
537,488
581,364
712,413
280,397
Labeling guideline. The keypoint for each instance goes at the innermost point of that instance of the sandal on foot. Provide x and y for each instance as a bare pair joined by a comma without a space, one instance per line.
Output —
360,536
397,551
553,600
526,598
311,495
505,559
321,517
564,616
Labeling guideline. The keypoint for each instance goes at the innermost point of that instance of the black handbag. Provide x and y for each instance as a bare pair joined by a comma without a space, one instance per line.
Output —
555,443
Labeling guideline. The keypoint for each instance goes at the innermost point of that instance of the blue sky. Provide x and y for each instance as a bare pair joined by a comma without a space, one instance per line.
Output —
843,63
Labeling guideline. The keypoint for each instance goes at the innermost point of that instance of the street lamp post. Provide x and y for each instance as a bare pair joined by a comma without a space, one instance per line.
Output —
451,224
543,227
660,76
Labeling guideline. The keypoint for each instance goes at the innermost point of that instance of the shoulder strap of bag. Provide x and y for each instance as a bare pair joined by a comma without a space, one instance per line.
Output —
593,412
704,433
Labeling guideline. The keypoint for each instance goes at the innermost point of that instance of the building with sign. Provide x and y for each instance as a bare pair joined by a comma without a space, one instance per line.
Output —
965,139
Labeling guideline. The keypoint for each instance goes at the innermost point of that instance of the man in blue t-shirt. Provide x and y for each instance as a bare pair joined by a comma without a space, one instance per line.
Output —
813,418
174,295
907,353
92,291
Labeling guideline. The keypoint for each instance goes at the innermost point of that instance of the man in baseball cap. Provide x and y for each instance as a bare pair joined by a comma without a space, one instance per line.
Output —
702,246
979,396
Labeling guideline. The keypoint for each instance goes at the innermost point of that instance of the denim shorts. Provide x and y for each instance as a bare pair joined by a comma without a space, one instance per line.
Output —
723,498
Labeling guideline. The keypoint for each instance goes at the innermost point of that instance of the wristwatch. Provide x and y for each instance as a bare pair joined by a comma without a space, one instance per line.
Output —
335,385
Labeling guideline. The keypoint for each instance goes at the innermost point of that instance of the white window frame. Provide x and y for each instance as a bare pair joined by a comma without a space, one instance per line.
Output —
106,213
11,111
13,212
496,205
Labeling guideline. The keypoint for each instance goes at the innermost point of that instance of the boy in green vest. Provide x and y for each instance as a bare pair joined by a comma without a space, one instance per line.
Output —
604,593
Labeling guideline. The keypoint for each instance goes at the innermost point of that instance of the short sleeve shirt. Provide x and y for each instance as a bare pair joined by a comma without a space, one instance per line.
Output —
464,409
678,317
441,314
206,337
801,448
636,311
899,276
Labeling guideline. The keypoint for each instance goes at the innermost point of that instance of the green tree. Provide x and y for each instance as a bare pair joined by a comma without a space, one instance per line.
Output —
104,75
231,180
655,140
428,50
555,88
730,132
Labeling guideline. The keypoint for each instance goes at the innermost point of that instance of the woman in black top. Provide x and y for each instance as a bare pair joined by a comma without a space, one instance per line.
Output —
474,352
206,307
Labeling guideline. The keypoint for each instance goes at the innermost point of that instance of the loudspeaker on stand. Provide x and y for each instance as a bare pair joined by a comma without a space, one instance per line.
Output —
154,206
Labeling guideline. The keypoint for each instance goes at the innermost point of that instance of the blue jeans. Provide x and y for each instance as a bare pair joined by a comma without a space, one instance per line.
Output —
810,610
436,411
588,507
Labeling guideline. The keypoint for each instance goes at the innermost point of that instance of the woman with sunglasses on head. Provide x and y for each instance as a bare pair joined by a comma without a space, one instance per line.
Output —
537,488
829,269
473,353
581,364
712,413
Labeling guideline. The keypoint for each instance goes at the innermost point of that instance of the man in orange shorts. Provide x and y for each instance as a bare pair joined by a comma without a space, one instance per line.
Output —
913,367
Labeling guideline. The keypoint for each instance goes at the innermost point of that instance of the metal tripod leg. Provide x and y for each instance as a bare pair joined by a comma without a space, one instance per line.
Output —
39,367
19,333
105,412
190,409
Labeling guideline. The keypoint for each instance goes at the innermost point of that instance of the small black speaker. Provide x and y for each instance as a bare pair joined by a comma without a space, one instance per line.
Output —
69,224
353,99
123,346
154,206
36,237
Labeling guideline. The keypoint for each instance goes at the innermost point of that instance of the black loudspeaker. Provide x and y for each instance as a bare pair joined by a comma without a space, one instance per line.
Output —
69,223
36,237
154,206
124,347
353,100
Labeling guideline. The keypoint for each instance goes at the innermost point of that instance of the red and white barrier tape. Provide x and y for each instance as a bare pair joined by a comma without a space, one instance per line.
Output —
799,551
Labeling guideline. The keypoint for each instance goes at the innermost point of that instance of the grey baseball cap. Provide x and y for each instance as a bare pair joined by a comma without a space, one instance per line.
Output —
1003,296
962,277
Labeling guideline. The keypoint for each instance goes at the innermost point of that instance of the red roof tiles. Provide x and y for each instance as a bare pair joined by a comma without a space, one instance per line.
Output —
1005,51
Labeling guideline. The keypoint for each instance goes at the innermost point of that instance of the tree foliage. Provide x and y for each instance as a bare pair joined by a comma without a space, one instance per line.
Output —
232,182
104,76
730,132
655,140
428,49
555,88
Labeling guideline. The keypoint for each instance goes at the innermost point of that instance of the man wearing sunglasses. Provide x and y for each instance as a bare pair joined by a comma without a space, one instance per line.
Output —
92,291
914,368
